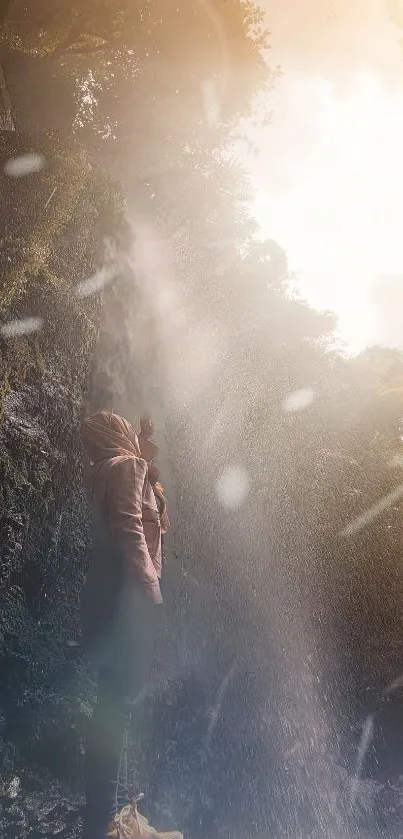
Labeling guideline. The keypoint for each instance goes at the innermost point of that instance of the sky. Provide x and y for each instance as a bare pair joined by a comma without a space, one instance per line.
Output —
329,176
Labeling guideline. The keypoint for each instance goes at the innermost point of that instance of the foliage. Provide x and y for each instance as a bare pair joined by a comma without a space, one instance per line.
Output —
128,63
63,202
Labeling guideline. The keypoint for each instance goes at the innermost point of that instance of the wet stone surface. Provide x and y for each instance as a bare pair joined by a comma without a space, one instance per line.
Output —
34,806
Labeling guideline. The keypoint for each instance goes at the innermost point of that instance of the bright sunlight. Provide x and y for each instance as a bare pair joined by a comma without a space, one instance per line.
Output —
335,202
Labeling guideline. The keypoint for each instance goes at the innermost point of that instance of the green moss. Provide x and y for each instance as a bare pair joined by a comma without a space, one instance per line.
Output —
32,225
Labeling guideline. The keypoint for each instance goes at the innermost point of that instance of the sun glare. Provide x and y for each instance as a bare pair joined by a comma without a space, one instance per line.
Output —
339,216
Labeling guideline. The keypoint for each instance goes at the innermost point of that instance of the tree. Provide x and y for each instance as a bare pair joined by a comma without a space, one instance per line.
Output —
173,48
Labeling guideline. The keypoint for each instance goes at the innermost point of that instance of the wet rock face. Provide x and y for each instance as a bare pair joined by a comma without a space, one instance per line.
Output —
31,804
48,249
44,522
44,547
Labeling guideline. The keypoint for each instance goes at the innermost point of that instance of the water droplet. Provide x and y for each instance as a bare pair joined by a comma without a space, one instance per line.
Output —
26,164
16,328
232,487
299,400
96,283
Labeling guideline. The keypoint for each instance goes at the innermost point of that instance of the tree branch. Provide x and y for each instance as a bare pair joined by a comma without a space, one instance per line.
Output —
89,48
